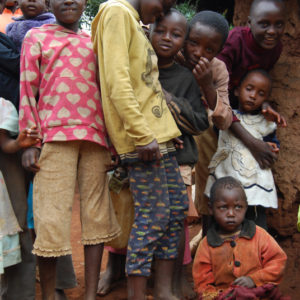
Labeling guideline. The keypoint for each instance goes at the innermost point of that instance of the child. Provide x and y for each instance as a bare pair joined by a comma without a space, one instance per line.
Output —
256,46
234,159
184,101
204,29
207,35
34,15
10,253
236,256
60,95
141,128
11,9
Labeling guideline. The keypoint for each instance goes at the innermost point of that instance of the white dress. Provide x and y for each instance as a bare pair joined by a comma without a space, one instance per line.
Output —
234,159
9,238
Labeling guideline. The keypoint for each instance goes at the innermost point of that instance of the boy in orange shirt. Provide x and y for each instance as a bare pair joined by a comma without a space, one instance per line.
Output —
235,253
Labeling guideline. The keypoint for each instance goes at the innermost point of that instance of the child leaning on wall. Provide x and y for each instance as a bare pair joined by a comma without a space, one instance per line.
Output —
232,158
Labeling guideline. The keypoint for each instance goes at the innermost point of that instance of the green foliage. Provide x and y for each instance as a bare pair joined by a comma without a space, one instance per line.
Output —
188,8
89,13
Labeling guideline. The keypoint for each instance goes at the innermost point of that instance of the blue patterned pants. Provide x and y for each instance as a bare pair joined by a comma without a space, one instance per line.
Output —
160,203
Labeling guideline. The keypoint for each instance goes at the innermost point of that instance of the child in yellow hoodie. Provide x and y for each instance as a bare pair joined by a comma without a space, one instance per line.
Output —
141,128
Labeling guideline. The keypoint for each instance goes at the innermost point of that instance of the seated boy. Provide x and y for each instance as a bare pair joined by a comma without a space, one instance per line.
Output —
236,255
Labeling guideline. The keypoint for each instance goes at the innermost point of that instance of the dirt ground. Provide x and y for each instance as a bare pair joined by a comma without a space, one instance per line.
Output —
290,284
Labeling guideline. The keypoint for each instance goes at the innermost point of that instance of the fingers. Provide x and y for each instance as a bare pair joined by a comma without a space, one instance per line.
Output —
283,122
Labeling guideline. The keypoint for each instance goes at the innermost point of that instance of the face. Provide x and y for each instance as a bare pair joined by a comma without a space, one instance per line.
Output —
267,23
150,10
168,35
32,8
202,41
229,210
253,91
68,12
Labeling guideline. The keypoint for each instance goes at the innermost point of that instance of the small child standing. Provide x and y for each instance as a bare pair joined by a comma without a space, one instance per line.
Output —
141,128
61,97
236,256
10,253
233,158
184,101
34,15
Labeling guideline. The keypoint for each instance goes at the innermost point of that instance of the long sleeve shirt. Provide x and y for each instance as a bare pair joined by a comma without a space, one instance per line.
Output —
134,105
187,109
241,53
253,253
59,91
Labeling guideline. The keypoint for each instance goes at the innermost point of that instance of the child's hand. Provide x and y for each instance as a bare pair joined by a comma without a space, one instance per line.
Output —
203,72
28,137
30,158
274,147
178,143
245,281
179,58
149,152
273,116
263,154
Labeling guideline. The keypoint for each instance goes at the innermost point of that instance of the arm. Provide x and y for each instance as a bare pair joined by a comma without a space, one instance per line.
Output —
116,36
26,138
261,151
189,113
273,260
222,115
29,87
213,79
202,269
273,116
204,77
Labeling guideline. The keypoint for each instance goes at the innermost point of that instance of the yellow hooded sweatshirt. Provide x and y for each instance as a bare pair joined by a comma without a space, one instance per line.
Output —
134,105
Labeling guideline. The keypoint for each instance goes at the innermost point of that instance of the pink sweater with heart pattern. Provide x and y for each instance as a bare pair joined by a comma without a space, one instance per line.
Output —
59,89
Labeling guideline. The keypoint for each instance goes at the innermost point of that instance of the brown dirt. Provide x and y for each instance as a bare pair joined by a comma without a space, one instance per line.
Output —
290,284
120,292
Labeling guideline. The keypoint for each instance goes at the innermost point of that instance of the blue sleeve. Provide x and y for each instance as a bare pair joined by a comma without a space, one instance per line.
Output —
272,138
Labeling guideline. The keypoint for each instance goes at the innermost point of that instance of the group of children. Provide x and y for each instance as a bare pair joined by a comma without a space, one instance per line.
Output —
157,93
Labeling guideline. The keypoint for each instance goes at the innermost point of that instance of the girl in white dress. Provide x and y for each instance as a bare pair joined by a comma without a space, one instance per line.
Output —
234,159
9,227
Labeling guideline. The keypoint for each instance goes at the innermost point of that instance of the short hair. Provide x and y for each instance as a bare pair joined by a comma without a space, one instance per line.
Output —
260,71
228,183
256,2
171,11
214,20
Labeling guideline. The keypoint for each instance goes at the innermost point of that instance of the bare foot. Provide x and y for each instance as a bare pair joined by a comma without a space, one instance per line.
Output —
60,295
115,272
